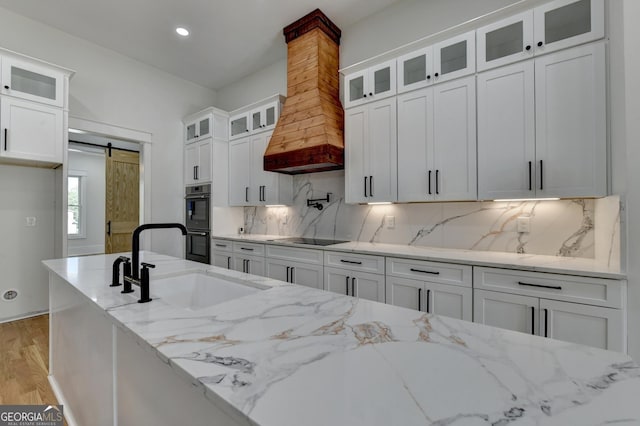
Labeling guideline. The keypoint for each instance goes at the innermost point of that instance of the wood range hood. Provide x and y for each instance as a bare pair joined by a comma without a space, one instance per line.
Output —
309,133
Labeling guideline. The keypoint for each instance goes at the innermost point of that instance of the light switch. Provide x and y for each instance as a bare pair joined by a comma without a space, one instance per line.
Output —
524,224
30,221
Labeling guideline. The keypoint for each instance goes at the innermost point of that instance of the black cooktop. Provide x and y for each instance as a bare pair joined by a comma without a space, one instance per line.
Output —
311,241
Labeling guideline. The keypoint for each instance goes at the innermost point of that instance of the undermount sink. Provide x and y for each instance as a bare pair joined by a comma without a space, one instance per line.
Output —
197,290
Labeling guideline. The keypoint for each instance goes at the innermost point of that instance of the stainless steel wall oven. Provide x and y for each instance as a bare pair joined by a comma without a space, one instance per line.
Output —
198,223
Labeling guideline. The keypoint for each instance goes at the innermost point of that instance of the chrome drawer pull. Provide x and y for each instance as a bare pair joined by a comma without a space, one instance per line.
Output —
425,272
552,287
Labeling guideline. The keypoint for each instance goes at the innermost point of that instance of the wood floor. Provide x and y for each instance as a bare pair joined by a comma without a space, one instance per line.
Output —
24,362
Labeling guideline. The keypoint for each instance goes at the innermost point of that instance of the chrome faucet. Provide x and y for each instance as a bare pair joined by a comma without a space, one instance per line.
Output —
131,275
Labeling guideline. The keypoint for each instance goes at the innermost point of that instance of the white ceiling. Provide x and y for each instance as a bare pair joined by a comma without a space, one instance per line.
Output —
229,39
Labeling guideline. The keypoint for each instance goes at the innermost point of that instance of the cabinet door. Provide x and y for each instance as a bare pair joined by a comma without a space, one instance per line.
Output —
415,145
405,293
382,80
265,185
191,130
338,281
448,300
256,120
277,270
454,127
222,260
368,286
381,150
355,89
239,126
503,310
32,82
565,23
307,275
571,125
505,41
415,70
191,161
239,172
249,264
583,324
455,57
204,161
356,129
270,114
204,127
506,132
31,131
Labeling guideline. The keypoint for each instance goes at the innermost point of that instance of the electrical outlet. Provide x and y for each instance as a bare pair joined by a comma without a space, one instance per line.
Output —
390,222
30,221
524,224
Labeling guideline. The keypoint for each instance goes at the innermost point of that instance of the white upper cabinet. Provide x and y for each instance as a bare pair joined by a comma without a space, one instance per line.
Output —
571,149
437,143
565,23
542,127
31,132
374,83
371,152
255,118
34,82
197,162
208,123
547,28
447,60
455,57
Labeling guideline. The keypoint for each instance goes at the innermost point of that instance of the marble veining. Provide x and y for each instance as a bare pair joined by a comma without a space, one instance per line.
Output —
290,352
567,228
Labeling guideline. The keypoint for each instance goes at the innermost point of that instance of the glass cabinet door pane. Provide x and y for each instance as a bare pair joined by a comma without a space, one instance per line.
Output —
238,126
255,120
271,116
567,21
191,131
382,80
415,70
504,41
204,127
453,57
356,88
33,83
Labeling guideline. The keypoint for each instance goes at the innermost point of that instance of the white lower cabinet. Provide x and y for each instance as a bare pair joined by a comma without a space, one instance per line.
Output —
295,272
580,310
222,259
355,283
432,287
249,264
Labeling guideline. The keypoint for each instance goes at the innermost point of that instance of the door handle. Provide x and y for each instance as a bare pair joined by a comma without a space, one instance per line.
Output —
546,323
428,301
228,262
365,185
293,276
5,138
533,320
370,186
346,286
437,183
429,182
530,187
197,172
353,287
246,194
287,279
419,299
109,228
541,176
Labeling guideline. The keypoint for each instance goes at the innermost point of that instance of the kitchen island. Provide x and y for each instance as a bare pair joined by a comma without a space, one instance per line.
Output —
292,355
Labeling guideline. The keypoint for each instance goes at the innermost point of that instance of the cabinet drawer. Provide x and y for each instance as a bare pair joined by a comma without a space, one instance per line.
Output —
355,262
222,245
249,249
591,291
436,272
294,254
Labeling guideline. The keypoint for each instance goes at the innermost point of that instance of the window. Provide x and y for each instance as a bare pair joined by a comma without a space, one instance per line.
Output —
76,214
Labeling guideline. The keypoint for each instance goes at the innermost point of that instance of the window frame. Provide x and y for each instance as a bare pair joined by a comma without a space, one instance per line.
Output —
82,208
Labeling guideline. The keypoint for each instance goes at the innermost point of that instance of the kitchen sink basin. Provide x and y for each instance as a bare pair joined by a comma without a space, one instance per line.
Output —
197,290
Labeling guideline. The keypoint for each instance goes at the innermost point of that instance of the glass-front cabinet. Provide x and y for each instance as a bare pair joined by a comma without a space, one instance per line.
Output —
374,83
198,129
239,125
414,70
454,57
265,117
25,80
552,26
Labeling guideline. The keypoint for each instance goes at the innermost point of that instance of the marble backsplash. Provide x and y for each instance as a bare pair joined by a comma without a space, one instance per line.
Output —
585,228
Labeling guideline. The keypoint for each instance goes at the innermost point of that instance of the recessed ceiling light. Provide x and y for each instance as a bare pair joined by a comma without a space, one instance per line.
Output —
182,31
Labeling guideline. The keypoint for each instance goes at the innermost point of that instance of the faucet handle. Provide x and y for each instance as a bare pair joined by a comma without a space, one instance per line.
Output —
146,265
124,259
115,278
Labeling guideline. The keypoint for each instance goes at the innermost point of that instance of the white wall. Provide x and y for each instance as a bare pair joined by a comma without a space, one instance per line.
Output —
25,192
93,164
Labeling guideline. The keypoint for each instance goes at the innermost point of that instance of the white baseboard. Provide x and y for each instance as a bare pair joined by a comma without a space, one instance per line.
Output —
68,414
24,316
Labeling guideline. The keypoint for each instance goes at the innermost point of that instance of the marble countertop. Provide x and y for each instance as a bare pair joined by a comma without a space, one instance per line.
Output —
525,262
292,355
